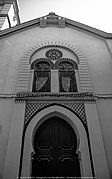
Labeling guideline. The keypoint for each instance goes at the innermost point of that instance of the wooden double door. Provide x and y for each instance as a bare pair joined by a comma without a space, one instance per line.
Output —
55,146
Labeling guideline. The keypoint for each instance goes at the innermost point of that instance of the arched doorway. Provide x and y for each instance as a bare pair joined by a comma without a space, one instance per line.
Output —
55,146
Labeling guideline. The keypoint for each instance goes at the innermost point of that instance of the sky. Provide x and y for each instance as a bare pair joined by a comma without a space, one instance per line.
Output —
94,13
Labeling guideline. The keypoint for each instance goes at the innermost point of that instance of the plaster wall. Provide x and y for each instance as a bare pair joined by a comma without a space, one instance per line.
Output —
6,108
104,108
99,60
94,48
109,44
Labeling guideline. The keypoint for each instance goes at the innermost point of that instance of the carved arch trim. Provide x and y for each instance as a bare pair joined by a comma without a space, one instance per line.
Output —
75,66
42,60
25,66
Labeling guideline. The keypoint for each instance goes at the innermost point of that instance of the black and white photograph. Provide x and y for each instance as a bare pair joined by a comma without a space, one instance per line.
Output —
55,89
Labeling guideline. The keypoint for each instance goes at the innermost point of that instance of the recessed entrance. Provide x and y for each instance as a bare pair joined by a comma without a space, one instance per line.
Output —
55,145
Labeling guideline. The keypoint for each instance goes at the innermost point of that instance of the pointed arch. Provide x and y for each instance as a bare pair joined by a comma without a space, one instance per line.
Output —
78,128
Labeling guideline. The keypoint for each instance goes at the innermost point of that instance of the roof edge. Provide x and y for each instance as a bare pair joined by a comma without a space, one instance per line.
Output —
88,28
68,22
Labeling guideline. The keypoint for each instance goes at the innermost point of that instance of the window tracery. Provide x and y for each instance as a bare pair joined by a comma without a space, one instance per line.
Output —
67,79
67,62
42,66
67,66
54,68
38,63
41,82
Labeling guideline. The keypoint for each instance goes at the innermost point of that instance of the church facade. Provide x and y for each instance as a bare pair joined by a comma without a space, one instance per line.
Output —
55,100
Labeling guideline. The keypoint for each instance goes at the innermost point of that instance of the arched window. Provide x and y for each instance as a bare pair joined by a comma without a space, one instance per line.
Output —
41,80
54,73
67,77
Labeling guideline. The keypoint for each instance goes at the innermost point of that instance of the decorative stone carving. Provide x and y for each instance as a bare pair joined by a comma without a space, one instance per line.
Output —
33,96
66,64
24,72
54,54
33,107
38,101
53,20
73,95
42,63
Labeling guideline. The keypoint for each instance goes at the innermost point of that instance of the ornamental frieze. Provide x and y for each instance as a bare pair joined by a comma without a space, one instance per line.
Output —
38,96
32,108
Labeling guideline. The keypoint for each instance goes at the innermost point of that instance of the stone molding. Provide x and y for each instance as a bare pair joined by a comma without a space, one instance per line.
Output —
25,66
75,97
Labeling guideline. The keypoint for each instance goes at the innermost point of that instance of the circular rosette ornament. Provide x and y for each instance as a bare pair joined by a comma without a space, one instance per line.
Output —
54,54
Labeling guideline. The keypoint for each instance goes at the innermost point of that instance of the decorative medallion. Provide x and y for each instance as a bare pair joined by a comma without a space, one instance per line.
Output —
54,54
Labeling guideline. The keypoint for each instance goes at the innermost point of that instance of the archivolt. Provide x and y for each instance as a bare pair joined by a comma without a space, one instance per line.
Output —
25,66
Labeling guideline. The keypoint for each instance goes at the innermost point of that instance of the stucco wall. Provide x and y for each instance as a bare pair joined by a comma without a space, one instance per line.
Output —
99,60
94,48
105,117
6,110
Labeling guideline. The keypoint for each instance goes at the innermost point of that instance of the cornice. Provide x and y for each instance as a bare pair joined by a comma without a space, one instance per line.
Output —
54,20
19,28
75,97
86,28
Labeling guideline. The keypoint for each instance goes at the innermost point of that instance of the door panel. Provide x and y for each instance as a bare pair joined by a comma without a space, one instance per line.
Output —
44,137
55,150
65,138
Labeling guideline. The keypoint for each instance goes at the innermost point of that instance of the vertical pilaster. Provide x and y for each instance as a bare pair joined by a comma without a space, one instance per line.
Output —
78,81
12,161
54,81
31,80
96,141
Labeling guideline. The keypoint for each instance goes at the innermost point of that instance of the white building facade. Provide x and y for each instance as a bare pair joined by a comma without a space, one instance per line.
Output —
55,100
